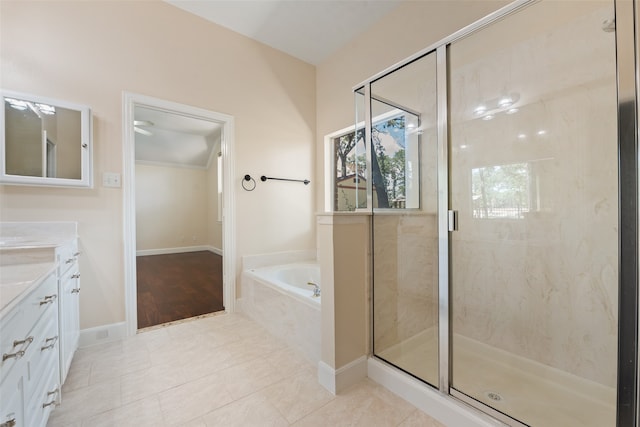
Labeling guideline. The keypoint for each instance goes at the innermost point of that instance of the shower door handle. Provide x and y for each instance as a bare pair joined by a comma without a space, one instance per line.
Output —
452,220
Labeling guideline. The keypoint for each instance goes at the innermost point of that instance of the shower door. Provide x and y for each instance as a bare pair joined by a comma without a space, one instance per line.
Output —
534,181
403,160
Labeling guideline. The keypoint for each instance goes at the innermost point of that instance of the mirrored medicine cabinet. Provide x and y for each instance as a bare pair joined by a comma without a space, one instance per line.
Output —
44,142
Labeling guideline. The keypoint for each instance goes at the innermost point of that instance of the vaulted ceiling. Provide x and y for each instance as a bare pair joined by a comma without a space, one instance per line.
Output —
310,30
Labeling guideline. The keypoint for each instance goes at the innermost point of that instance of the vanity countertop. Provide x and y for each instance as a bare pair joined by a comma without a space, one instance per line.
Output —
36,234
27,256
25,242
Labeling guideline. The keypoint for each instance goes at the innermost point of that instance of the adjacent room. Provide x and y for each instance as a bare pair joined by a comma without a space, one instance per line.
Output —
178,211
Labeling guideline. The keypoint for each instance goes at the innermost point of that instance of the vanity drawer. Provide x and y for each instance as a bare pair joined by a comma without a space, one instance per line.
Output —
16,336
43,401
43,358
13,328
12,400
67,256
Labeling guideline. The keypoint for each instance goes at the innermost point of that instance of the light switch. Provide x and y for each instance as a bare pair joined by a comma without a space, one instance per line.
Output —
111,179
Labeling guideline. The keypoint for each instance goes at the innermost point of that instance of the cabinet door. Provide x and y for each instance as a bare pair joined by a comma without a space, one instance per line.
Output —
69,319
12,400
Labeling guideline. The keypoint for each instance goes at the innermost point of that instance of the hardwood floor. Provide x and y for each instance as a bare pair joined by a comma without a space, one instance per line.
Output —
178,286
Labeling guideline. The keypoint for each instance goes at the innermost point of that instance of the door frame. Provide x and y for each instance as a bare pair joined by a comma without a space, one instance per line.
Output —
130,101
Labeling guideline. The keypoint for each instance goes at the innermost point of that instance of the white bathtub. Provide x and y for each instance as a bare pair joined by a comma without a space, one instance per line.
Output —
279,298
292,279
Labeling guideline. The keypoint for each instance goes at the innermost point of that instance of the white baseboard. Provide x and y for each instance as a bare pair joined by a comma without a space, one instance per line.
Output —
336,380
165,251
443,408
102,334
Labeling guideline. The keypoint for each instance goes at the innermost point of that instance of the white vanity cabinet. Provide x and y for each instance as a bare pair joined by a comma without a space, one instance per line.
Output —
39,317
69,285
30,370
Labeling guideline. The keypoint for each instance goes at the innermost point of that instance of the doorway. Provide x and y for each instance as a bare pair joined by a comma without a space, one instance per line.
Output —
178,212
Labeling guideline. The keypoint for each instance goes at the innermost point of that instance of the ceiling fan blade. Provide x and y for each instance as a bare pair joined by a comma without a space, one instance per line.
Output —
142,131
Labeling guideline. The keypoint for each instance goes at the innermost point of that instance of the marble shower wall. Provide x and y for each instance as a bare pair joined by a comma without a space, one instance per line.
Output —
405,275
542,285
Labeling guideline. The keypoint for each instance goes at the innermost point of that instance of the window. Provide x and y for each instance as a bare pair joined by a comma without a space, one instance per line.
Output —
349,160
394,166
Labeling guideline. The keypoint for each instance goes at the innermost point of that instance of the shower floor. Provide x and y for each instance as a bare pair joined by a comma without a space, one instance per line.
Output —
535,394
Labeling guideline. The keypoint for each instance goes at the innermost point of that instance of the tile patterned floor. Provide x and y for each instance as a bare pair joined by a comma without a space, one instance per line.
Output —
222,370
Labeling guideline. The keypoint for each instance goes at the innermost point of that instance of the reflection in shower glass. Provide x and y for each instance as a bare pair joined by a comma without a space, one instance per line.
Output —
533,176
404,222
501,191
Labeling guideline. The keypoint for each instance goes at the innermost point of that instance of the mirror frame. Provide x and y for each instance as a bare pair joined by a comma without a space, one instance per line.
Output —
86,145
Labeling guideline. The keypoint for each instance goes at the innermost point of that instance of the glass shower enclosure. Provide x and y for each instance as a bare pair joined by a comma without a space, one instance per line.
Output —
500,203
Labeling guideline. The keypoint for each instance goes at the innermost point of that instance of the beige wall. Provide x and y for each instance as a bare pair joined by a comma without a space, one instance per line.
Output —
90,52
171,207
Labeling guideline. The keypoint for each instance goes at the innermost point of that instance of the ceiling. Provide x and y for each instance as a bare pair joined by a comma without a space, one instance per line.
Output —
310,30
175,140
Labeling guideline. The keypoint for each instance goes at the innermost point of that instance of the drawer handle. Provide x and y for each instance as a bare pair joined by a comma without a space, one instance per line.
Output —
47,347
18,354
75,276
77,253
76,290
48,299
24,341
49,394
10,423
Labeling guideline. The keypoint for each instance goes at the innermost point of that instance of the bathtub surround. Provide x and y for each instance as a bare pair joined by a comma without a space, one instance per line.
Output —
287,310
